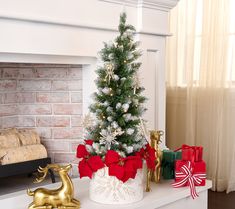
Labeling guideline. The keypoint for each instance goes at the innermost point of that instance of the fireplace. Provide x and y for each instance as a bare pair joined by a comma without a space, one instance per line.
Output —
48,98
48,60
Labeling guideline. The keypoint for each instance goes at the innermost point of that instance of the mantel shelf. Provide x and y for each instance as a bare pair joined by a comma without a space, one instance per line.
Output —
161,196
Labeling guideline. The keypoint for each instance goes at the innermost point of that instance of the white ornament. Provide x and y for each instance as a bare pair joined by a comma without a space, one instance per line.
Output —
129,149
125,107
106,90
114,124
130,131
118,105
116,78
127,117
109,109
109,118
106,103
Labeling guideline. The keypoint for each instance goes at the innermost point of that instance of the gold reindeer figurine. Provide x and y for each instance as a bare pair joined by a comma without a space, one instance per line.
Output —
154,175
61,198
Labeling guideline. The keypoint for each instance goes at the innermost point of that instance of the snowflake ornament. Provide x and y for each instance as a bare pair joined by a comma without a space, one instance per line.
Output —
88,121
108,136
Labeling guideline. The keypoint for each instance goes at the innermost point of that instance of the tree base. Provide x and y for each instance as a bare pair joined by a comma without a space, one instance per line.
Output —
109,190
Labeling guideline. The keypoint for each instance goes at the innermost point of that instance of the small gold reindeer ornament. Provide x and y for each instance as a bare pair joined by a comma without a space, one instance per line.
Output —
154,175
61,198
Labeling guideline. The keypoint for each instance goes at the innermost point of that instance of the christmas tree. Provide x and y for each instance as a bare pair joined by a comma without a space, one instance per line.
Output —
117,139
118,102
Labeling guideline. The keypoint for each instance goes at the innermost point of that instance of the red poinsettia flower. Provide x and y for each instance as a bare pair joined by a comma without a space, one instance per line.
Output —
149,155
122,168
89,163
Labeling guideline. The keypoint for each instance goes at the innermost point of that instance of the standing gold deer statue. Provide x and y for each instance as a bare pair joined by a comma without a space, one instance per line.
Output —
154,175
61,198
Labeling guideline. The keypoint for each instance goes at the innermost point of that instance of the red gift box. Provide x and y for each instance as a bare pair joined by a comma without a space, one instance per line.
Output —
197,168
191,153
190,174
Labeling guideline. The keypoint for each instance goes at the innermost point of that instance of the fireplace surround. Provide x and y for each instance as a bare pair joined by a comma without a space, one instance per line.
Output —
44,34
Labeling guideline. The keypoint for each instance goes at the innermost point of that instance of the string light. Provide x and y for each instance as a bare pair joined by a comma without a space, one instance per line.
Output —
111,94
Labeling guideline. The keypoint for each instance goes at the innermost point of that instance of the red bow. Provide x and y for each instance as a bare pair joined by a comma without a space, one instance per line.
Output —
122,168
149,155
89,163
186,175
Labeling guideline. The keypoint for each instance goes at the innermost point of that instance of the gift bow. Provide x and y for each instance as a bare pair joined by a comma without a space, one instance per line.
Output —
186,175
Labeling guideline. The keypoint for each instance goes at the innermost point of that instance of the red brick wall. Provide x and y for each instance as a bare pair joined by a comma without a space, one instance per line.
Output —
46,97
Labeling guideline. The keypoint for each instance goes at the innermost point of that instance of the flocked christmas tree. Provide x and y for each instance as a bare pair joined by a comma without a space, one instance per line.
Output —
118,102
117,139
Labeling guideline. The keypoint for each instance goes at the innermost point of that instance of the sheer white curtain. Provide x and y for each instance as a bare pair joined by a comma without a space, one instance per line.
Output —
200,78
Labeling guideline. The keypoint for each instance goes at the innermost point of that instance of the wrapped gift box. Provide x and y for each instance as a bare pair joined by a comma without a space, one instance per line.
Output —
191,153
197,169
168,163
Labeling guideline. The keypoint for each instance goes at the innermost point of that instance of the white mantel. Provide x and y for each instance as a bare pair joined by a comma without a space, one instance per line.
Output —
62,31
162,196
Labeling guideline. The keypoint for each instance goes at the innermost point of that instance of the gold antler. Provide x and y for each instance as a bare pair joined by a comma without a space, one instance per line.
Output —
44,171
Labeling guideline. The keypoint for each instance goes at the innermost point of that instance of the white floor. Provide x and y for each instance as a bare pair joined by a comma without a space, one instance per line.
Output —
18,183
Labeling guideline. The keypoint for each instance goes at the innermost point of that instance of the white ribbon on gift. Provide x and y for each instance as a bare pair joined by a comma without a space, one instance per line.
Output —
186,175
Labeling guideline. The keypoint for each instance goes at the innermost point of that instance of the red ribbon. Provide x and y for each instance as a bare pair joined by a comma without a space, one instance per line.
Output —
192,153
89,164
186,176
122,168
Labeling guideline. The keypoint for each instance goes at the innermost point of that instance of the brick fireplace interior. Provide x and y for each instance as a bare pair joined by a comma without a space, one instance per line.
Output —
47,97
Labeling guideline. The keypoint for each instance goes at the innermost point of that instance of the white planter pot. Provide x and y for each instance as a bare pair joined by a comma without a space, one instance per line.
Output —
109,190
